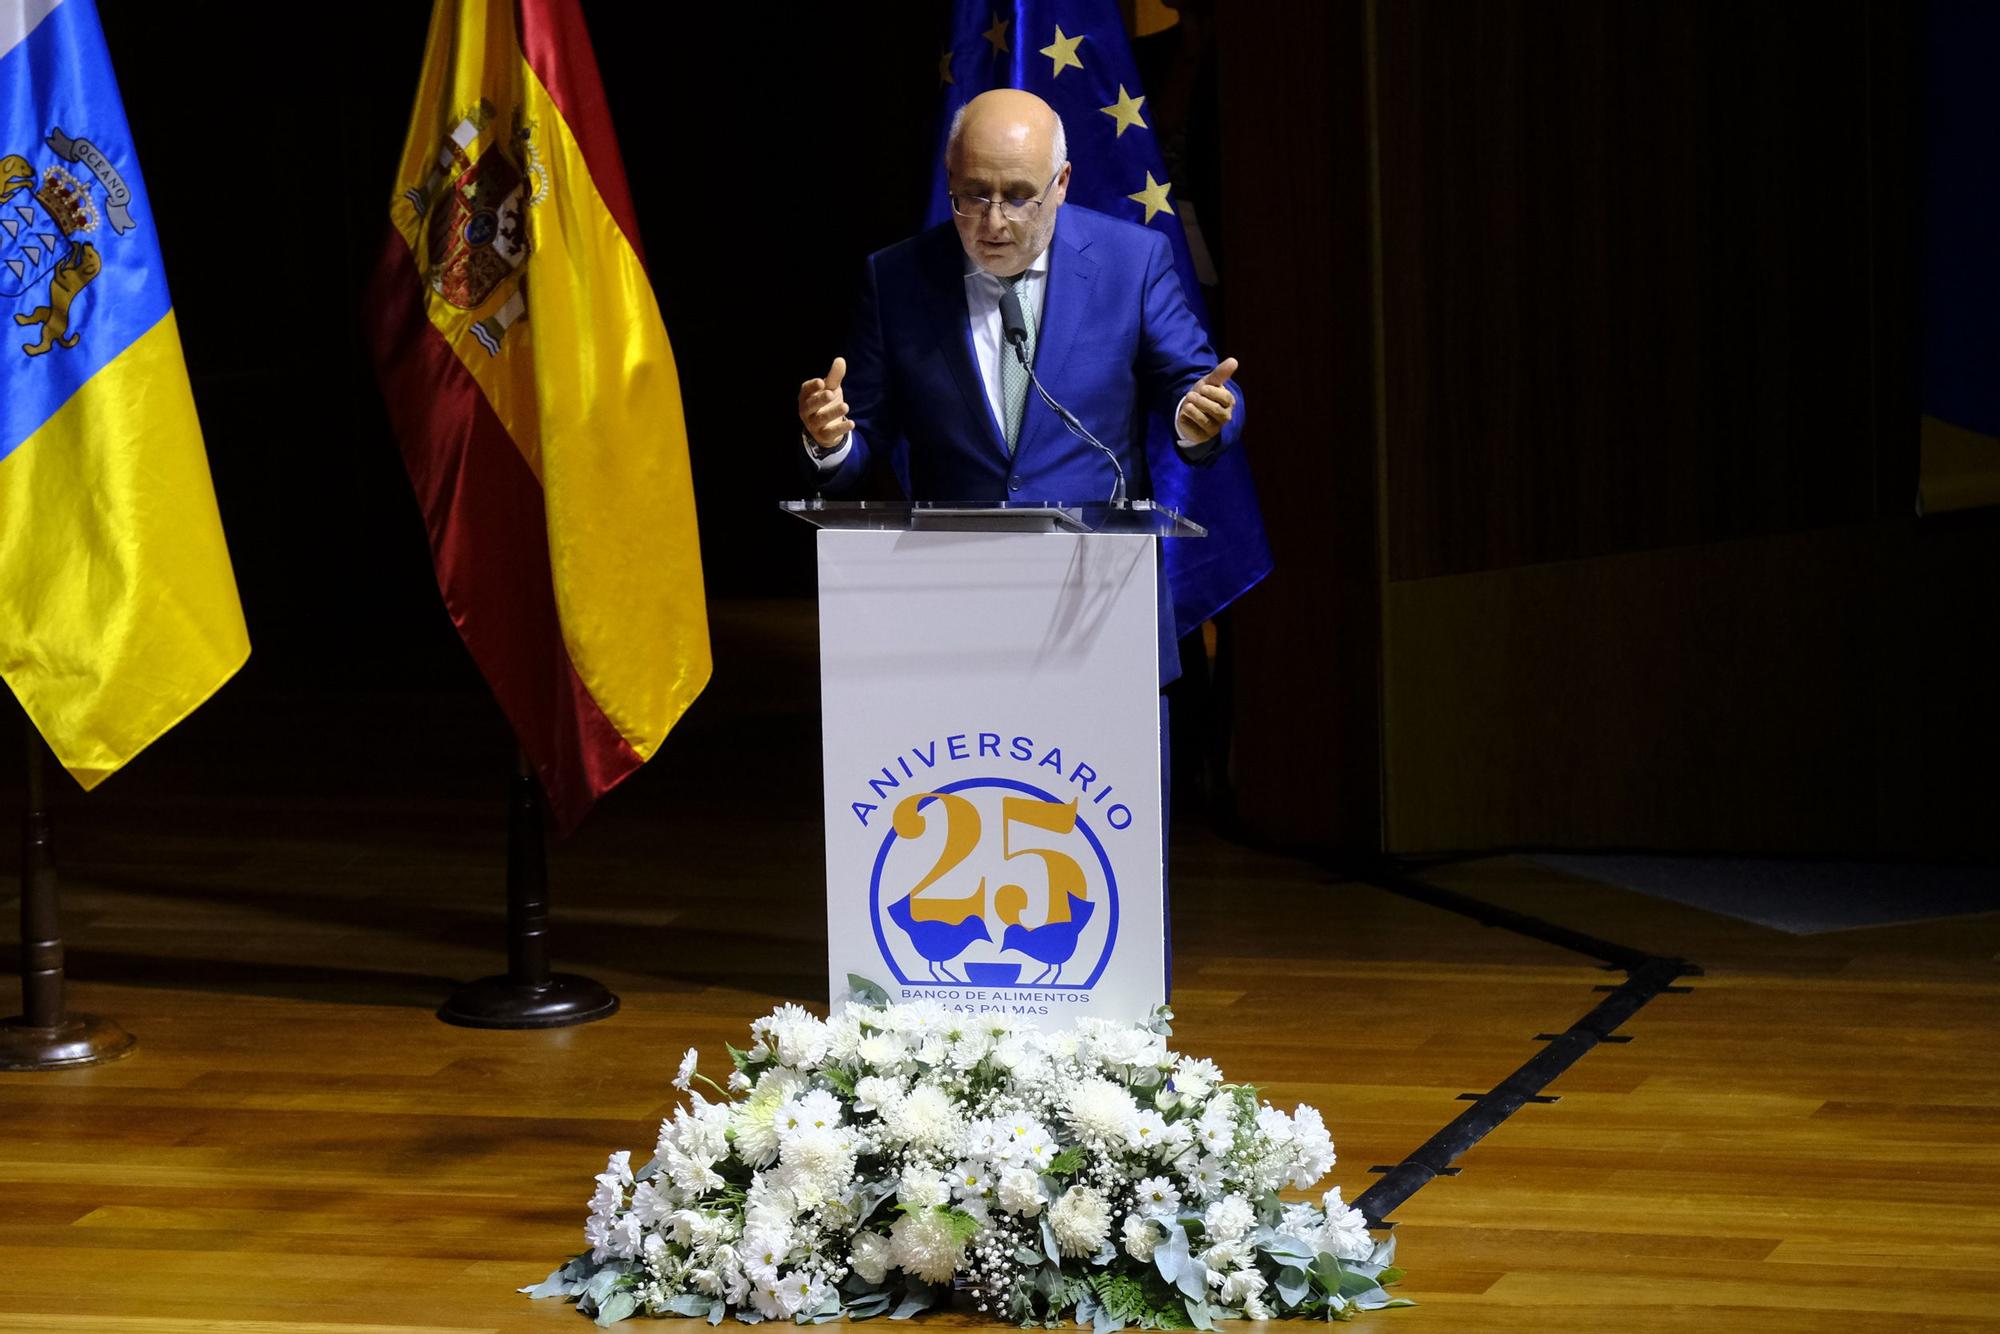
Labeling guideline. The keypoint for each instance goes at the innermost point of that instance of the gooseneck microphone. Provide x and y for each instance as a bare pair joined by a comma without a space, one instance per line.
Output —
1014,328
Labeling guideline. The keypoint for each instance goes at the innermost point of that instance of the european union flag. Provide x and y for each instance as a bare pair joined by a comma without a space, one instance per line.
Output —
1074,56
118,610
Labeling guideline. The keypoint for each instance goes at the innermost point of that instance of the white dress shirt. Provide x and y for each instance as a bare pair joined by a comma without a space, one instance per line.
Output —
982,315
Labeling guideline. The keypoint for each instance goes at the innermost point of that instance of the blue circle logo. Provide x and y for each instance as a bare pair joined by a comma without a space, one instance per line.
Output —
992,883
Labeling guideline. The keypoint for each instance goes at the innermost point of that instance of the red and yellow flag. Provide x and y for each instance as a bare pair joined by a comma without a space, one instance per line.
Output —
534,394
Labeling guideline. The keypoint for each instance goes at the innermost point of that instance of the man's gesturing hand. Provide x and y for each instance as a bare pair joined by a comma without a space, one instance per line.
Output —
823,408
1208,406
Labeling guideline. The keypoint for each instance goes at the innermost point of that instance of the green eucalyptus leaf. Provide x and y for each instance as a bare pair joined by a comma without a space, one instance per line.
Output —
615,1308
865,991
688,1303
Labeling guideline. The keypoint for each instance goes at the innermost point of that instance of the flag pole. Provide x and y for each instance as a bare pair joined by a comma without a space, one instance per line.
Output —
528,995
45,1036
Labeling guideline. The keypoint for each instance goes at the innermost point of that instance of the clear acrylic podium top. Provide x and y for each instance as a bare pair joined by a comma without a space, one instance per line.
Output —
1121,516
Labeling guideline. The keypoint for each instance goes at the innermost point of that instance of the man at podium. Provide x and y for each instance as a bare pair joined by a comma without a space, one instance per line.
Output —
973,343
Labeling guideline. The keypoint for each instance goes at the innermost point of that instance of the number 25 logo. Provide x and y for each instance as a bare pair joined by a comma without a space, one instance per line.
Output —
942,926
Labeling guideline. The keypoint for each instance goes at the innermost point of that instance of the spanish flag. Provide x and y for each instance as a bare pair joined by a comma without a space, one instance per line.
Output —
118,608
534,395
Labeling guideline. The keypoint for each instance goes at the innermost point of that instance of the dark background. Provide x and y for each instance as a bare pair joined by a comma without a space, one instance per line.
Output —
1581,339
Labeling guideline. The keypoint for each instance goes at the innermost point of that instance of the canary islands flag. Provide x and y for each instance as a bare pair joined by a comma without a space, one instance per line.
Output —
118,608
532,390
1073,55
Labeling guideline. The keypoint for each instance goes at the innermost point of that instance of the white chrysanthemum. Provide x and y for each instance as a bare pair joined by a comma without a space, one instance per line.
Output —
810,1109
1204,1177
1081,1221
1255,1308
768,1206
794,1034
1195,1076
1302,1221
920,1187
1215,1132
1312,1148
819,1165
607,1240
971,1179
1226,1257
685,1076
762,1250
874,1092
1158,1197
882,1051
870,1256
969,1049
1241,1286
986,1138
924,1119
1148,1132
1027,1065
691,1177
738,1082
923,1245
1274,1125
1027,1141
1142,1234
923,1015
609,1197
1121,1044
755,1121
702,1133
843,1036
1021,1192
1346,1233
1229,1218
1101,1112
773,1296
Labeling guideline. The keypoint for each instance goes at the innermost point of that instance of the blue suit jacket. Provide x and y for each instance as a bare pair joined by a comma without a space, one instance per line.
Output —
1117,341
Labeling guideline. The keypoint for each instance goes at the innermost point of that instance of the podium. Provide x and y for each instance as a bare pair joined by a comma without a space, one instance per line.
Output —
989,682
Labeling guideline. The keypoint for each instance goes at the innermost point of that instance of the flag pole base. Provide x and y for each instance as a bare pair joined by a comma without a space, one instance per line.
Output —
501,1002
80,1039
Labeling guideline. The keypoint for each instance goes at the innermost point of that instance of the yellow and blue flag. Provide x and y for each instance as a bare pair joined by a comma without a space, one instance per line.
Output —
118,607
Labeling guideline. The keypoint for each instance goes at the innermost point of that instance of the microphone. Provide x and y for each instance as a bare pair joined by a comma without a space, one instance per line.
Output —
1014,330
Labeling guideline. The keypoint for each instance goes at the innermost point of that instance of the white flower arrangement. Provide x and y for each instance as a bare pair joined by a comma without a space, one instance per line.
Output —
876,1162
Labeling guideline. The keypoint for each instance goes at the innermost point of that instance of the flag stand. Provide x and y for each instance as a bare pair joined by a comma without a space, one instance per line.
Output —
44,1036
528,995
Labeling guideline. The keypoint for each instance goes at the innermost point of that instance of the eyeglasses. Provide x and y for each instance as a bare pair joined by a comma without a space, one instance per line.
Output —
1014,210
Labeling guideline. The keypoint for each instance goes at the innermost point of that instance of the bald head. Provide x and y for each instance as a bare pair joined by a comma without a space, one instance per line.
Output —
1007,148
1008,119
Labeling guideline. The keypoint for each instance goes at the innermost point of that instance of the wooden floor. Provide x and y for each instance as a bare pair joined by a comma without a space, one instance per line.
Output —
275,900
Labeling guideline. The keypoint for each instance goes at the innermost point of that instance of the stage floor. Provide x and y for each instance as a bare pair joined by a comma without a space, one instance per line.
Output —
1807,1138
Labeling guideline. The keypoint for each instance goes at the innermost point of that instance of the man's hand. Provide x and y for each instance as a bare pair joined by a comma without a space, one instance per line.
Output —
823,408
1207,407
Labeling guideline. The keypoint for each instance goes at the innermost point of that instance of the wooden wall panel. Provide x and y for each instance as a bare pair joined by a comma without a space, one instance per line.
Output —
1630,286
1297,278
1823,693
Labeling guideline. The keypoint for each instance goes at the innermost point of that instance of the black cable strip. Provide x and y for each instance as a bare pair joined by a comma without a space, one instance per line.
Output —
1647,976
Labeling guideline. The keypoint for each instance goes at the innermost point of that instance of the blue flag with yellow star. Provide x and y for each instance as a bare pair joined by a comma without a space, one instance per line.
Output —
1073,55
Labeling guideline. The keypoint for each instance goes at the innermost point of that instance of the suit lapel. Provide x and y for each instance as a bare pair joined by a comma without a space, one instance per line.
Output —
953,332
1071,280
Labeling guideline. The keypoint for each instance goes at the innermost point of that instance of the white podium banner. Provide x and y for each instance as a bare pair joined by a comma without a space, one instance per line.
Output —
992,768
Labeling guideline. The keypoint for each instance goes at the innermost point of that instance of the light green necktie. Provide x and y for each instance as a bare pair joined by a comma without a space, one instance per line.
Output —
1013,376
